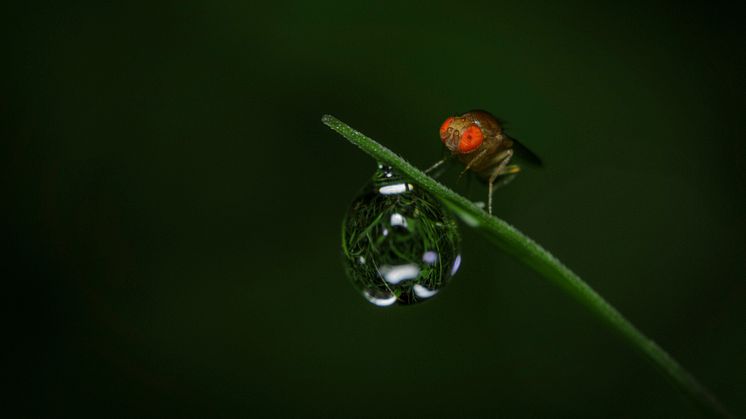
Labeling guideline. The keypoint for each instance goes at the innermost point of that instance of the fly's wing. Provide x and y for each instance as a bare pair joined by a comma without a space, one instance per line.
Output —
526,154
520,149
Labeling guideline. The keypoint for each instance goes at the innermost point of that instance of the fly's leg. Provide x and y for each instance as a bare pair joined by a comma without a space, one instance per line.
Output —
502,168
431,170
437,164
482,154
506,176
511,170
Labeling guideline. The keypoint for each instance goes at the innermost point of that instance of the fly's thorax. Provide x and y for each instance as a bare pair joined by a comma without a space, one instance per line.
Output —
489,124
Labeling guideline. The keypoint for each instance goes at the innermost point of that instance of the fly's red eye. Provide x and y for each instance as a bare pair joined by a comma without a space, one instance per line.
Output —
444,128
471,139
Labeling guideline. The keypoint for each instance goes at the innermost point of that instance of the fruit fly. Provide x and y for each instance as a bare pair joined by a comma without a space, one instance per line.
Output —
477,139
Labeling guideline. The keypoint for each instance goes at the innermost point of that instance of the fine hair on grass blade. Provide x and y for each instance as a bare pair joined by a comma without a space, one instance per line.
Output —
515,243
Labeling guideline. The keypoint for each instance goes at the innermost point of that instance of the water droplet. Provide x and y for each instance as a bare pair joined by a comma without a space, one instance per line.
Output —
400,245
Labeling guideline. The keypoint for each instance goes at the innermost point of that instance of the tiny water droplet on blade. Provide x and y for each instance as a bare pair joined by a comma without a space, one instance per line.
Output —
400,245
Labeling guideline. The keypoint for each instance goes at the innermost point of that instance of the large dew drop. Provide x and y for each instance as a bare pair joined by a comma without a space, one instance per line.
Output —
400,245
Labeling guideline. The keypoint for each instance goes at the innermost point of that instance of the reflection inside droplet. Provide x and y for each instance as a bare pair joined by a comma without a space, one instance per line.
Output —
456,264
395,189
398,220
397,274
379,301
423,292
430,257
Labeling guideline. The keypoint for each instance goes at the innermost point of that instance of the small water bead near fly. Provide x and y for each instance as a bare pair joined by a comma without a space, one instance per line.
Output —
400,245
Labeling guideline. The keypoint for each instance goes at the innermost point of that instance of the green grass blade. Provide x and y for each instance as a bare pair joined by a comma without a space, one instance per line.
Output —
515,243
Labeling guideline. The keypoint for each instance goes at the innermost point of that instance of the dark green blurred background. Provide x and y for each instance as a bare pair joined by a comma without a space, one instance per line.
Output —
174,205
